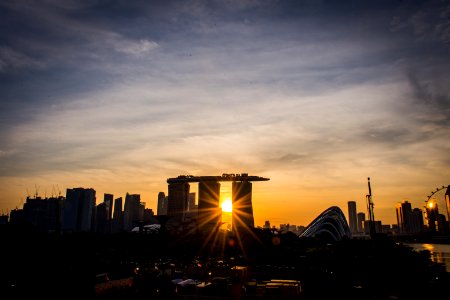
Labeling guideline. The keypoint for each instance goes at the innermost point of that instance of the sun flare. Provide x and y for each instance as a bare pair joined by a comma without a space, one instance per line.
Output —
227,205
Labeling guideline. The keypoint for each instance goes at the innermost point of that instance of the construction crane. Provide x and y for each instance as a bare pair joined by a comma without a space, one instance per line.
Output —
370,212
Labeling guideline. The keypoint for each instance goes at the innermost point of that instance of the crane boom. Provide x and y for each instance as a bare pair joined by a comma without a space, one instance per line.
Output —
370,212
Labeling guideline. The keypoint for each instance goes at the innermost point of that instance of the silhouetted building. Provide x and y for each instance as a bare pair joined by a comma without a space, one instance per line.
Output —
209,212
141,211
101,217
4,219
242,206
267,225
404,217
442,224
17,217
148,215
432,215
108,200
162,204
378,227
361,218
44,215
79,209
35,212
54,214
352,219
394,228
117,224
178,200
416,220
133,212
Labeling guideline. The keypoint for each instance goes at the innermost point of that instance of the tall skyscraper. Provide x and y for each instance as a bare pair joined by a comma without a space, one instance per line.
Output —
432,215
117,216
417,220
101,218
79,209
132,211
209,212
162,204
352,219
442,224
404,217
242,206
178,200
361,219
108,200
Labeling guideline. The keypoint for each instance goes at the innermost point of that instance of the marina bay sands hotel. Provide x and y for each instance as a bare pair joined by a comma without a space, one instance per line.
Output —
209,211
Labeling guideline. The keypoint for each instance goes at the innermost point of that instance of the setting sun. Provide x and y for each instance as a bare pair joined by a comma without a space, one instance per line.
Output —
227,205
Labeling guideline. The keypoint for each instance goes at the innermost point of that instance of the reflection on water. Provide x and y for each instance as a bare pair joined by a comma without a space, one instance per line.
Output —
439,253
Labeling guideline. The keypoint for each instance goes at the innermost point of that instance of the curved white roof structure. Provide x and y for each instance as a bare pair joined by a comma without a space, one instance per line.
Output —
331,223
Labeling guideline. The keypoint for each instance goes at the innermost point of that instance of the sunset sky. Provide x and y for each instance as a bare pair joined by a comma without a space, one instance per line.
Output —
316,95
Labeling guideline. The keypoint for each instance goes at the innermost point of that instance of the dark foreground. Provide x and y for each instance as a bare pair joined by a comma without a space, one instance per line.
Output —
264,265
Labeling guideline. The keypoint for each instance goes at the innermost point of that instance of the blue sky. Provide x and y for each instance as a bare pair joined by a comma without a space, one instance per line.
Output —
316,95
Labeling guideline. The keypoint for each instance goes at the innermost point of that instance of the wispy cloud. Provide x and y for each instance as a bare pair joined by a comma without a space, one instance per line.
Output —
11,60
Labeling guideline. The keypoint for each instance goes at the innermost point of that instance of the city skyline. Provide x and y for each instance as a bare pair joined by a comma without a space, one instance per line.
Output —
318,96
224,202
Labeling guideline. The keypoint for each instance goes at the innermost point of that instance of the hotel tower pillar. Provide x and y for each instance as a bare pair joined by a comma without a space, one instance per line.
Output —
178,200
242,206
209,212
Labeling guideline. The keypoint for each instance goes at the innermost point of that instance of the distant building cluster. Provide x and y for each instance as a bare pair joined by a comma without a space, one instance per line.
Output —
360,227
410,221
78,212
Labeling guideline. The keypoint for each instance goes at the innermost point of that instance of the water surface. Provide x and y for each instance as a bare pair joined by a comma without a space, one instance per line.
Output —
439,253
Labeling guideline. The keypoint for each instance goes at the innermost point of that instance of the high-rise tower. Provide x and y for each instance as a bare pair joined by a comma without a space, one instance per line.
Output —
242,206
117,224
209,212
404,217
361,219
162,204
178,199
79,209
132,213
352,219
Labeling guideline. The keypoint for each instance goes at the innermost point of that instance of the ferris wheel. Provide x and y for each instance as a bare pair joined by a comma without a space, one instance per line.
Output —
431,204
438,190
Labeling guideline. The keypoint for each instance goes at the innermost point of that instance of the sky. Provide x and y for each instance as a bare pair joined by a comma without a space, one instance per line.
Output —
315,95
